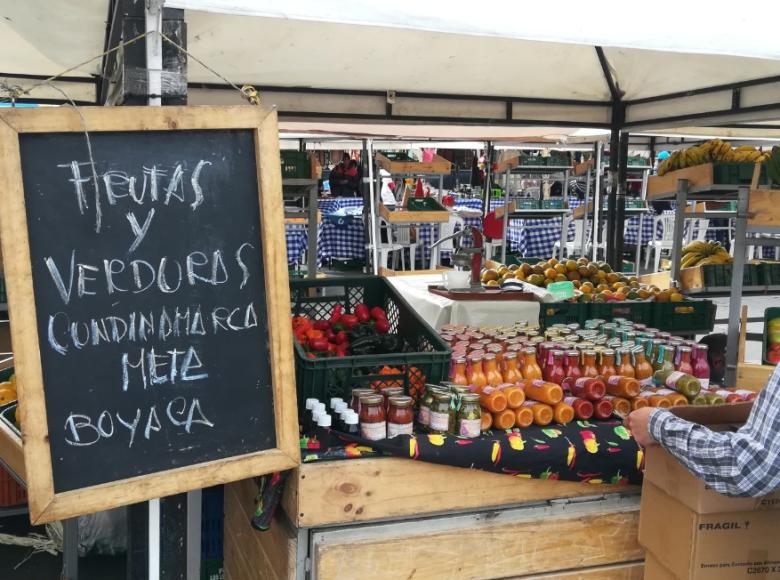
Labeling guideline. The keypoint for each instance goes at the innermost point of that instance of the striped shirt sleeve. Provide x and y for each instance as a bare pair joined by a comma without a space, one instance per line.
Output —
742,463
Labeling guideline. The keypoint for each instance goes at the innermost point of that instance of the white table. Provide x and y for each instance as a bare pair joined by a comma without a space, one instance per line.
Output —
438,311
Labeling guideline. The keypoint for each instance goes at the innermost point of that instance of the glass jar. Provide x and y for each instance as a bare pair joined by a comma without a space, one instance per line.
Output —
589,364
440,413
469,416
553,372
643,370
701,366
400,417
424,411
355,401
512,373
388,392
476,376
571,364
607,368
492,374
530,368
626,368
684,363
373,419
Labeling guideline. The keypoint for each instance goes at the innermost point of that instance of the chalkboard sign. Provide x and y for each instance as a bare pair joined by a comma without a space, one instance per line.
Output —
147,289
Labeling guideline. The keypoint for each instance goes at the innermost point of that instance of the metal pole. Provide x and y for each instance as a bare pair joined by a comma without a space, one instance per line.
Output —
194,517
70,549
312,228
735,299
488,177
372,201
154,58
614,148
505,232
620,201
597,202
679,224
586,215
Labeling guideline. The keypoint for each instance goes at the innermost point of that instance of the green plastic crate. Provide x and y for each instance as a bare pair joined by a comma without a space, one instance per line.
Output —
554,203
346,264
527,203
637,160
295,165
712,275
769,273
641,312
687,317
737,174
769,314
558,161
212,570
336,377
564,313
532,160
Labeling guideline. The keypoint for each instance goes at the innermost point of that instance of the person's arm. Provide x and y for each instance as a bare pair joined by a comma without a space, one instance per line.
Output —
742,463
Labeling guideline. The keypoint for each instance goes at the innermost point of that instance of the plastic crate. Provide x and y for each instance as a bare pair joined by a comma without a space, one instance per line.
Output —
564,313
11,493
428,358
750,275
687,317
737,174
769,273
212,534
769,314
212,569
295,165
554,203
532,160
527,203
641,312
558,161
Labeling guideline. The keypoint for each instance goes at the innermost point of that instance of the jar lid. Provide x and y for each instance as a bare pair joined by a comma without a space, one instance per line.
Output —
590,352
490,356
557,352
372,400
684,348
400,401
608,352
469,398
510,355
361,391
442,397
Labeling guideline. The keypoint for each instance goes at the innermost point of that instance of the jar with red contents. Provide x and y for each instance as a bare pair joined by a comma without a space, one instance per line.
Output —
400,417
355,401
388,392
373,419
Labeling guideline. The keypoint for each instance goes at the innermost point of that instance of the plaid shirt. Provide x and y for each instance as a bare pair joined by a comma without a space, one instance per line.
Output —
742,463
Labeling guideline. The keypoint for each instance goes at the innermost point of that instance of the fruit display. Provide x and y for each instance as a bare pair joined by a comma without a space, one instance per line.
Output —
593,281
363,331
772,355
713,150
701,253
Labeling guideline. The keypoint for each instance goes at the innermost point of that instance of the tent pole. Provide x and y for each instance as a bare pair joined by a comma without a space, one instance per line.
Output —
614,146
372,202
597,202
620,208
488,177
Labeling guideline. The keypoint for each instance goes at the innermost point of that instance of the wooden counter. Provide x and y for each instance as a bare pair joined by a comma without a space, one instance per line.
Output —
423,520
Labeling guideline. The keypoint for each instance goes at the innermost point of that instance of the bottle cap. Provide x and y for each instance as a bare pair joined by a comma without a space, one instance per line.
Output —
316,414
310,402
340,407
351,418
335,400
324,421
319,407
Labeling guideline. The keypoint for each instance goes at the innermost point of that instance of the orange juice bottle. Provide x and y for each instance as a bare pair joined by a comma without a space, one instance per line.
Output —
524,417
563,413
607,368
486,419
542,391
621,386
492,373
515,396
459,372
512,373
643,370
543,414
504,420
625,368
530,368
638,403
589,364
492,399
476,376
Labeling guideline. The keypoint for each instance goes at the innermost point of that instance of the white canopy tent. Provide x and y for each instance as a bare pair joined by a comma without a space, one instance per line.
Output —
508,63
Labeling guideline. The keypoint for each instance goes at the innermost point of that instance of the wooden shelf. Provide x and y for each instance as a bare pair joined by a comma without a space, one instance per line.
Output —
11,451
439,165
413,217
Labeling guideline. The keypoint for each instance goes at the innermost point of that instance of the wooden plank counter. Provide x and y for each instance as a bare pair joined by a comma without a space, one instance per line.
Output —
396,518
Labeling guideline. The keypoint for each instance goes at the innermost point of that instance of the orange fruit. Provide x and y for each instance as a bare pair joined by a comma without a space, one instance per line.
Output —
676,297
550,273
571,265
552,262
560,278
573,275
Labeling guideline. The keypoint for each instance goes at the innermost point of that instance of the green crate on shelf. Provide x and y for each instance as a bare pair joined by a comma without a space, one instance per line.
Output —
427,360
638,160
737,174
769,273
687,317
712,275
769,314
558,161
532,160
295,165
641,312
527,203
553,203
564,313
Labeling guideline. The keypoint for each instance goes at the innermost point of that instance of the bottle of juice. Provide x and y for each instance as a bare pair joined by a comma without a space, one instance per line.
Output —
492,373
504,420
625,368
701,366
459,372
654,348
678,381
621,386
486,420
530,368
714,399
643,370
665,360
583,409
553,371
563,413
571,364
684,360
476,376
589,364
524,417
638,403
492,399
542,391
515,395
675,398
512,373
620,405
602,409
607,368
589,388
655,400
543,413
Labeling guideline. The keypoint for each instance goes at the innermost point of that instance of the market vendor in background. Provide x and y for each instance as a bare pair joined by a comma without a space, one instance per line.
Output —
345,178
741,463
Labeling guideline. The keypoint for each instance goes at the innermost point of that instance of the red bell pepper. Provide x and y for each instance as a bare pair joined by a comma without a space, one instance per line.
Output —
382,326
341,338
362,312
335,313
349,321
318,344
377,312
310,334
322,325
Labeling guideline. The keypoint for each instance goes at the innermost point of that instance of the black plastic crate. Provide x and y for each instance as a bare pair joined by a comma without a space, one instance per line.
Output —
687,317
564,313
427,360
295,165
641,312
212,519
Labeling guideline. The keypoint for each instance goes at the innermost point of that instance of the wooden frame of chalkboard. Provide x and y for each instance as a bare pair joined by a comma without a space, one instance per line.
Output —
48,502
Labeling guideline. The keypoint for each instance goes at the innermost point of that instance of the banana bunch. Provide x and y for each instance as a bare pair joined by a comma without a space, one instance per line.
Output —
701,253
713,150
773,165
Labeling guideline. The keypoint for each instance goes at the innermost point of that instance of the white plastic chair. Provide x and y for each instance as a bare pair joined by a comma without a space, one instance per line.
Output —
454,223
385,248
660,245
697,230
403,237
574,246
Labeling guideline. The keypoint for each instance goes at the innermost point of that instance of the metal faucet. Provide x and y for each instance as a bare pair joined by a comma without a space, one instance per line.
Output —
465,257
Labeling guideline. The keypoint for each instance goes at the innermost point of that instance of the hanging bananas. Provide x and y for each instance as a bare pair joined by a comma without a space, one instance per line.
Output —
701,253
715,150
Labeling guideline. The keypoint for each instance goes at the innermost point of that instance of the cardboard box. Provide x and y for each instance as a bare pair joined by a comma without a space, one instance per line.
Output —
692,532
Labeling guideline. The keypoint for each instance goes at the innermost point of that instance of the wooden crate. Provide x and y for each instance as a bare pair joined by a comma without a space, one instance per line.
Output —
582,168
413,217
438,165
752,377
664,185
763,208
327,493
662,280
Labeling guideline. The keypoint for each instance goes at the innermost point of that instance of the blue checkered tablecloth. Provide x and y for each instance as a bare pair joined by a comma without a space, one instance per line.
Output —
345,240
334,204
297,238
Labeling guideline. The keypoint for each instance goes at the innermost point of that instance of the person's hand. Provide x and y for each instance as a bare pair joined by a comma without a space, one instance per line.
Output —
638,423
